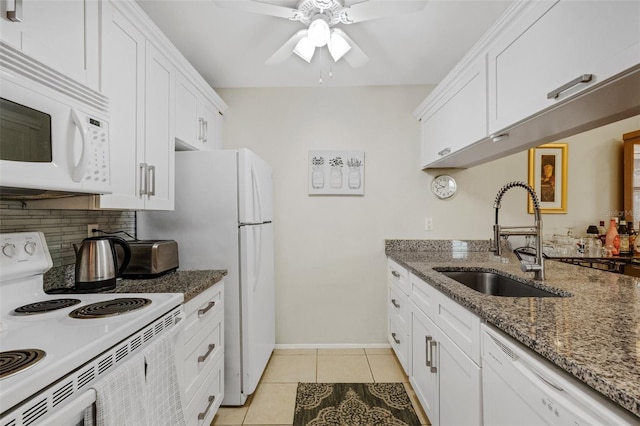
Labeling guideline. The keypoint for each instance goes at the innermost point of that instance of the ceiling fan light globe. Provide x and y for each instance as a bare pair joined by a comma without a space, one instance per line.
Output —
319,32
338,46
305,49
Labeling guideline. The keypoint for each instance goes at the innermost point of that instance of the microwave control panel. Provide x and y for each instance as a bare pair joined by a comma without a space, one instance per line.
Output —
97,172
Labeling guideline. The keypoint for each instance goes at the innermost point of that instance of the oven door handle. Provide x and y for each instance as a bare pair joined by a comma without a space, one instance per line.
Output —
73,412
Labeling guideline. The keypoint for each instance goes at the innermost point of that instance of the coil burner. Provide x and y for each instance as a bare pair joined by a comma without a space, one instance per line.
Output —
110,308
12,362
45,306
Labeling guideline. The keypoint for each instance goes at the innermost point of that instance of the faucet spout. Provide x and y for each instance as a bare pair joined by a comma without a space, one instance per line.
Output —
536,230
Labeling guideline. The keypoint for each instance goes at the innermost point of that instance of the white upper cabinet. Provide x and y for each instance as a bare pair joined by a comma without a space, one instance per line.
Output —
62,34
139,82
557,50
546,70
197,118
464,101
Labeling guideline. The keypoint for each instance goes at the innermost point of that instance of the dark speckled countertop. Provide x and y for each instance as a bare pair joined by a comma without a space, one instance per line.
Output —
189,283
594,334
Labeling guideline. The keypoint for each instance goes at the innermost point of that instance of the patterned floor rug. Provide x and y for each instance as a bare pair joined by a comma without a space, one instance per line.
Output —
353,404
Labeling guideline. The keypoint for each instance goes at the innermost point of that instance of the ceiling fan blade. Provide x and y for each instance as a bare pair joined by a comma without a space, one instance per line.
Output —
355,56
258,7
375,9
287,48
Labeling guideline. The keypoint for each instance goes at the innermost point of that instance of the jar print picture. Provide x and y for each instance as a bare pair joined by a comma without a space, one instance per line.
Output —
336,172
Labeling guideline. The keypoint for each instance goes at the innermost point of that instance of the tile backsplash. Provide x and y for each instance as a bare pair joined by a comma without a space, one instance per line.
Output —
62,228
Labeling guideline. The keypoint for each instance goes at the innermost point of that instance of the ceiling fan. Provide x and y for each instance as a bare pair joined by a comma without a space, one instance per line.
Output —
321,17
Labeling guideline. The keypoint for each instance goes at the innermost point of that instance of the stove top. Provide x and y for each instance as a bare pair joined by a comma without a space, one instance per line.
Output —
63,343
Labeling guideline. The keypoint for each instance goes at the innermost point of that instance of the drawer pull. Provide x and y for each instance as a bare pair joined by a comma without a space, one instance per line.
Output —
427,358
584,78
203,358
393,335
444,152
395,273
394,303
202,416
203,311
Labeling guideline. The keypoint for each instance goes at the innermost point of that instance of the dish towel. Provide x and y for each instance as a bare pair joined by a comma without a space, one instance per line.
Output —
142,391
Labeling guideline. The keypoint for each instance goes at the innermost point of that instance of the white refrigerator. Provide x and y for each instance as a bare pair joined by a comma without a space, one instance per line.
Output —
223,220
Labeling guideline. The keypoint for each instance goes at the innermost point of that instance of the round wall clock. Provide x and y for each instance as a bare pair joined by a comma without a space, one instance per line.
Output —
444,186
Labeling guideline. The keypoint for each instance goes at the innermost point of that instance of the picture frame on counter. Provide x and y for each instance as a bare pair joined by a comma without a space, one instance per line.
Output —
336,172
548,174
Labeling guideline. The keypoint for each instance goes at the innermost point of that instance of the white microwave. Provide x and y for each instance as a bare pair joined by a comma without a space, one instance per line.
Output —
54,134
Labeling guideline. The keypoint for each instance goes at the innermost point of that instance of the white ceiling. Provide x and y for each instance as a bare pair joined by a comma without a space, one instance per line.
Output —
229,47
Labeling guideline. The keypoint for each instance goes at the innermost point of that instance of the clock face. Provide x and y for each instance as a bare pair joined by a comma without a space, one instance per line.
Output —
444,186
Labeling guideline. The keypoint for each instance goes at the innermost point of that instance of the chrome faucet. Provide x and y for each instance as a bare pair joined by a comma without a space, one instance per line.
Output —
536,230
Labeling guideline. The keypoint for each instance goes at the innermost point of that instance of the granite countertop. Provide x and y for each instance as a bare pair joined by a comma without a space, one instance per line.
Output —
593,335
189,283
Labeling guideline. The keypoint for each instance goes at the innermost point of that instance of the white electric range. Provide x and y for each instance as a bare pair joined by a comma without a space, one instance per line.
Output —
68,342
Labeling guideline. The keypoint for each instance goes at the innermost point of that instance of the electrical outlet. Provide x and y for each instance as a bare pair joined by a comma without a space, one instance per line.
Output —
90,229
428,224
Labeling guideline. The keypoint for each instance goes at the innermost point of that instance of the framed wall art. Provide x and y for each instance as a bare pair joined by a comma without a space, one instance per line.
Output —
336,172
548,177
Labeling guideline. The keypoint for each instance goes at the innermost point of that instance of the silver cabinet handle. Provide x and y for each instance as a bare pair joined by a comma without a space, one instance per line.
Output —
553,385
200,128
144,189
203,358
394,303
499,138
151,171
203,311
584,78
427,358
15,15
395,274
444,152
205,138
432,345
393,335
201,416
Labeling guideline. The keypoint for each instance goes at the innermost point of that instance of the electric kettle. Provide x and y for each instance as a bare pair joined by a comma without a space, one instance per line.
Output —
97,263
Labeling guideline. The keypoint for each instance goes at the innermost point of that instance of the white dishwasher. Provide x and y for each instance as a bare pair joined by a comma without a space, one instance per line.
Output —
519,387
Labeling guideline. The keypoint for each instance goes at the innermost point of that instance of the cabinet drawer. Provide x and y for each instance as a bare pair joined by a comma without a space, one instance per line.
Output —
201,353
201,409
201,309
422,295
459,324
398,307
398,275
399,340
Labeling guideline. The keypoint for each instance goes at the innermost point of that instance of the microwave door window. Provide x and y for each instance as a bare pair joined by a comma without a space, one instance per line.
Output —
25,134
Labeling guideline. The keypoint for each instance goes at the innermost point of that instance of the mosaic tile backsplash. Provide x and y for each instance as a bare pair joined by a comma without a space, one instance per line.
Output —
62,228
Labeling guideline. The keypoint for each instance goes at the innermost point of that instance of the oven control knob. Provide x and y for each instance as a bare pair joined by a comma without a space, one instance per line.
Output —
9,250
30,248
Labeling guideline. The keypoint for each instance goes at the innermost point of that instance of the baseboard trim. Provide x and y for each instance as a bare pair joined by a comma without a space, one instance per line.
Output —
332,346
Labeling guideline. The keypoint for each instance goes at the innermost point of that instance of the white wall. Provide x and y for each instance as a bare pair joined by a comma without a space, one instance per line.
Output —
330,263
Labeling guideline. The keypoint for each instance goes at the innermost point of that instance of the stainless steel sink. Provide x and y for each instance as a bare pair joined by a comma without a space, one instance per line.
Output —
494,284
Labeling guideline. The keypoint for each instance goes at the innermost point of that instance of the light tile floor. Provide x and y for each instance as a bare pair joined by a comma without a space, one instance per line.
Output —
273,402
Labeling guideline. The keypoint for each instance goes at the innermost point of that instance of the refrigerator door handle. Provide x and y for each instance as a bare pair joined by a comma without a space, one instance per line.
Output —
257,232
256,190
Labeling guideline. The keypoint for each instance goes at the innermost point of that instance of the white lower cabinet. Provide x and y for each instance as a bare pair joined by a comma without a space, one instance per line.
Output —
203,368
399,314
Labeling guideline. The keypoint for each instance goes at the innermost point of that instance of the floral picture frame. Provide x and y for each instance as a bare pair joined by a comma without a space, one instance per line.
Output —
548,173
336,172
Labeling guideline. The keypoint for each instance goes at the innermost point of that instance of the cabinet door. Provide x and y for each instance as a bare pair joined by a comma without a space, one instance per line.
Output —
459,384
423,380
441,132
55,33
159,132
188,127
123,82
553,44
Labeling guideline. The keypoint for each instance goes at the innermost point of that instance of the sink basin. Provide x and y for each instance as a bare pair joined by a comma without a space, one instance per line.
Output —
493,284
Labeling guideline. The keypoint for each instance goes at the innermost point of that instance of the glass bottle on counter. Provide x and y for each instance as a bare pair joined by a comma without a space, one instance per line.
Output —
602,232
612,240
636,244
623,234
632,236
